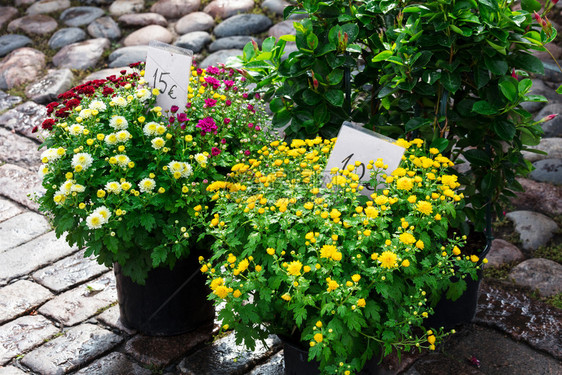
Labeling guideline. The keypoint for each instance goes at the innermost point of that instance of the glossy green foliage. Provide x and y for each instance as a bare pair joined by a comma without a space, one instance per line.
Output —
453,72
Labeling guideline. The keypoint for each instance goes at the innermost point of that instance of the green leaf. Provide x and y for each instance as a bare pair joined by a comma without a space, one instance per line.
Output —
288,38
488,184
484,108
310,97
268,44
456,290
524,86
531,5
335,77
509,90
147,221
382,56
451,81
496,64
477,157
504,129
529,63
352,31
312,41
528,138
415,123
559,90
497,47
276,105
534,98
440,144
335,97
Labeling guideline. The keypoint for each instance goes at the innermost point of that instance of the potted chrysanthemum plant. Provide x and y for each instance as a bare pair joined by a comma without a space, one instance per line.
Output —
344,277
128,181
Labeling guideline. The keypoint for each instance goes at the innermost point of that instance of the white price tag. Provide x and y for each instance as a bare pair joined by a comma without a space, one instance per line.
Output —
167,69
362,145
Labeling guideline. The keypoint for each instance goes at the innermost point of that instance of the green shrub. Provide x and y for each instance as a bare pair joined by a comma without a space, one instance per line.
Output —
453,72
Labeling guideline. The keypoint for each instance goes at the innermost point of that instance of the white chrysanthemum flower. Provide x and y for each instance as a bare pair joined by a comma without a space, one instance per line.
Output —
85,113
146,185
150,128
175,166
201,159
76,129
158,143
143,94
43,170
94,221
119,101
83,159
122,160
187,170
118,123
160,129
97,105
123,136
65,188
111,139
77,188
103,212
59,199
113,187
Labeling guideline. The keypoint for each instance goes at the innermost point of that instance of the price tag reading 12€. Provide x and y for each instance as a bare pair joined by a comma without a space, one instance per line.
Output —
363,145
168,69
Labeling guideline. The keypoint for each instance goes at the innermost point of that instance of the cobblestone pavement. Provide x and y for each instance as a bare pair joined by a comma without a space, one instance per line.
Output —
58,311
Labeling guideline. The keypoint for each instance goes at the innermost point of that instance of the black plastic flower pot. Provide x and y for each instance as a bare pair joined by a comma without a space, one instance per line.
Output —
296,362
450,314
171,302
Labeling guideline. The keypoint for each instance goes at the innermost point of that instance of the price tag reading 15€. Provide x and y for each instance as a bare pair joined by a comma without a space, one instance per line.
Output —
167,69
362,145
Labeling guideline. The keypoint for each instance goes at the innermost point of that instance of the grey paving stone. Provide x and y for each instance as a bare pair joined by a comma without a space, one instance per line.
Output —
273,366
23,334
8,101
196,21
104,27
74,348
242,24
547,170
497,354
6,14
161,351
19,150
539,274
37,24
82,302
81,55
20,66
21,229
10,42
48,6
232,42
120,7
110,317
142,37
219,57
539,196
79,16
274,6
8,209
50,86
127,55
23,118
503,252
552,147
174,9
31,256
11,370
115,364
66,36
227,8
68,272
534,229
21,297
194,41
225,357
142,19
17,183
520,317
